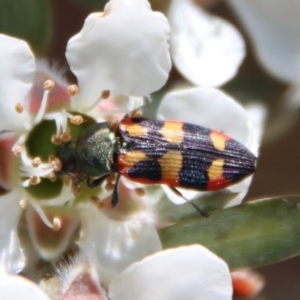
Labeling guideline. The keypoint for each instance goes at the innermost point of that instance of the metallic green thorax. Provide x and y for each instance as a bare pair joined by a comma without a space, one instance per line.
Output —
95,149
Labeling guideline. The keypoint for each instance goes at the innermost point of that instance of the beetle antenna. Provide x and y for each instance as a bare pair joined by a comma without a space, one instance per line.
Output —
202,213
115,195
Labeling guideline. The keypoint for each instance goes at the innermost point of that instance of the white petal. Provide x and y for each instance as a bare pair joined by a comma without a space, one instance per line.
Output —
11,254
257,114
41,234
116,244
207,107
207,50
125,50
182,273
273,26
19,288
16,77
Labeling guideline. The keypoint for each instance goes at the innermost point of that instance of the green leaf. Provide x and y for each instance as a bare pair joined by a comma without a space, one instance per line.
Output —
249,235
29,20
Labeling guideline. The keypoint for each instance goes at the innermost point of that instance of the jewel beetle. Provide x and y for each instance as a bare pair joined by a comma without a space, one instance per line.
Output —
150,151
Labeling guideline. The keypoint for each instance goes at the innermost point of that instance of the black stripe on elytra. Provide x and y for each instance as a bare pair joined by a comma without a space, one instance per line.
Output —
147,169
239,161
196,149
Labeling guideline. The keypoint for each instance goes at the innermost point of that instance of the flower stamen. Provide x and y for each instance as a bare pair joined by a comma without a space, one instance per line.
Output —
17,151
56,224
48,85
34,169
52,177
40,212
105,94
65,137
23,204
56,139
36,162
55,163
73,90
34,180
19,108
62,130
77,120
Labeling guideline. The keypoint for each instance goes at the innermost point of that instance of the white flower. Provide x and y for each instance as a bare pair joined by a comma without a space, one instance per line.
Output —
273,27
134,62
191,272
19,288
206,50
115,243
107,62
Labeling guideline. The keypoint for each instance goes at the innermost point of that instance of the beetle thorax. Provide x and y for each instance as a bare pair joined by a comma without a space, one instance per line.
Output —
94,151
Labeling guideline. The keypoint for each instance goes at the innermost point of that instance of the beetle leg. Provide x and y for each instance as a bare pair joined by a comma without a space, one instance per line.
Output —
202,213
115,195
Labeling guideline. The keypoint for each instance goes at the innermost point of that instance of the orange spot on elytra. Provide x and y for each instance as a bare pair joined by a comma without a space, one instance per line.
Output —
172,132
218,139
215,174
171,164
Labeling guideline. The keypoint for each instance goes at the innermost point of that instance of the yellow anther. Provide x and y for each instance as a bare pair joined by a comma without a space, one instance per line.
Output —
65,137
17,151
56,223
19,108
52,176
109,186
77,120
73,90
55,163
34,180
56,139
23,204
105,94
94,199
136,113
140,192
36,162
49,84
